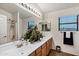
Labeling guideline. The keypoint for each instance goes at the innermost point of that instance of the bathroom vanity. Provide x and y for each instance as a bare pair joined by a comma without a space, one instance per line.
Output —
44,49
39,48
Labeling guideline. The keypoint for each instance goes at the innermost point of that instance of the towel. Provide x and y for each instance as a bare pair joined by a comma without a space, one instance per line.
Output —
67,34
68,38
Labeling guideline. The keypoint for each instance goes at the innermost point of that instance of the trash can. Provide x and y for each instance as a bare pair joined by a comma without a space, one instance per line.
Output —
58,48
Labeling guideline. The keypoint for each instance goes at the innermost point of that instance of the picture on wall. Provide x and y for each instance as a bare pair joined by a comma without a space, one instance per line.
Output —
31,24
45,26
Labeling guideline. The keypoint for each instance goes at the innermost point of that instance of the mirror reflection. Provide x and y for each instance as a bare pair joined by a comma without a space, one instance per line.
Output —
7,29
45,26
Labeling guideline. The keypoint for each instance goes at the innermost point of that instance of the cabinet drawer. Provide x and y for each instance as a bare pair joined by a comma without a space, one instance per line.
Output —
33,54
38,50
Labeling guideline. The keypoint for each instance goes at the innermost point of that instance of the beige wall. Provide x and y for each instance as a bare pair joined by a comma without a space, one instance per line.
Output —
57,35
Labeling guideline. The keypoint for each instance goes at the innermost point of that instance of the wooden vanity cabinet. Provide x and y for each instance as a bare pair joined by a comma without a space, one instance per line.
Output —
49,45
43,50
48,48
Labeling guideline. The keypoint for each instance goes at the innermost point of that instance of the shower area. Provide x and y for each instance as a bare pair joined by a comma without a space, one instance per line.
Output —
12,29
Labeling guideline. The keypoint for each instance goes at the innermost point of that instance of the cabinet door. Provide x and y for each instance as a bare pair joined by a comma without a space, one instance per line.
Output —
48,47
44,49
50,43
38,51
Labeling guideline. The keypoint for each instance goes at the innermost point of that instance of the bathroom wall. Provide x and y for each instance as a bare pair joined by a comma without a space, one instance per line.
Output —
9,16
57,35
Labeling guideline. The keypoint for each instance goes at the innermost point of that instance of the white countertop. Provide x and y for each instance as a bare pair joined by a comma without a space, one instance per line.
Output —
25,50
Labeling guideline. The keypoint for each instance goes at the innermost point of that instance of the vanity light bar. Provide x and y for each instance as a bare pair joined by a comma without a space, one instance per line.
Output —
28,7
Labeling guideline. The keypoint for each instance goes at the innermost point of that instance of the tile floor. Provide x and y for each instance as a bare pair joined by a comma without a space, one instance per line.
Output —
56,53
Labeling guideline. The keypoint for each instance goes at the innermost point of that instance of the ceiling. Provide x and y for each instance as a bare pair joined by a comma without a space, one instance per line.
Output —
48,7
43,7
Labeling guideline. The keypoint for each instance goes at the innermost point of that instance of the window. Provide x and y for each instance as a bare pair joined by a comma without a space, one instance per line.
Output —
68,23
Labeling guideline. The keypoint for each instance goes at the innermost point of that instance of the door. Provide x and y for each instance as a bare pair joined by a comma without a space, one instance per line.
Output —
3,29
